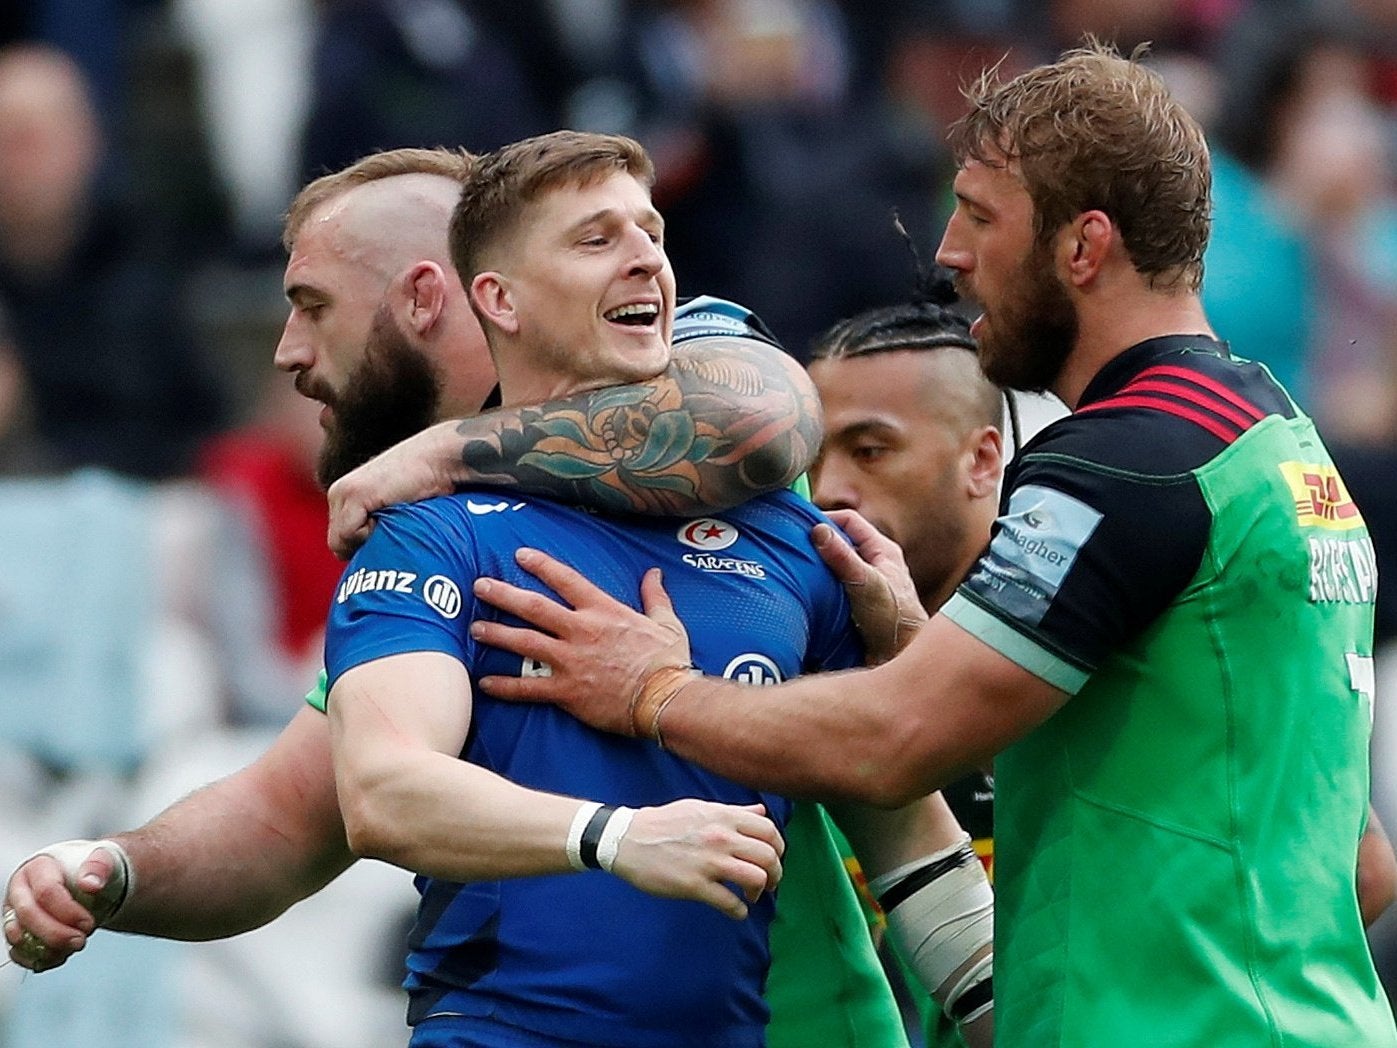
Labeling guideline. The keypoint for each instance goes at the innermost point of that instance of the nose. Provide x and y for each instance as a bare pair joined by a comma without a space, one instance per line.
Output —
832,484
953,252
293,350
646,257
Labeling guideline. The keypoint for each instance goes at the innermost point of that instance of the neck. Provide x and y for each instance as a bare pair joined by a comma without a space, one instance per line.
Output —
523,381
517,390
1110,327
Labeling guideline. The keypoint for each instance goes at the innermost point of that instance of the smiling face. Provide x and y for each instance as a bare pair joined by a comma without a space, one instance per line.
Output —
1029,324
583,296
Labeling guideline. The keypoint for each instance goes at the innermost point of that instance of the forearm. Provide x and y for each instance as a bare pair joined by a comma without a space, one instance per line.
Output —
223,861
884,839
235,854
885,735
821,738
730,419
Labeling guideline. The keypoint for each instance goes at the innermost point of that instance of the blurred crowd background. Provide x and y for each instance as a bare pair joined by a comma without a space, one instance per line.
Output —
163,575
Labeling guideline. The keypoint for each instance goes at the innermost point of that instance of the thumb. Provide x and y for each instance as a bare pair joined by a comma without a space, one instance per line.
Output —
95,871
840,557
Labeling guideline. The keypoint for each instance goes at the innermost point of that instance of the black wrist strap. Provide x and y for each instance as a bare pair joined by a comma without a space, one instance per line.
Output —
591,835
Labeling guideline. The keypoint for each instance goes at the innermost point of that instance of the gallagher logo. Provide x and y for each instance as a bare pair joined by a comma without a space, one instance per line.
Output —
707,534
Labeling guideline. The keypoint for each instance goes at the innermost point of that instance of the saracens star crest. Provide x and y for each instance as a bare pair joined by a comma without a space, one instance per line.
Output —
707,534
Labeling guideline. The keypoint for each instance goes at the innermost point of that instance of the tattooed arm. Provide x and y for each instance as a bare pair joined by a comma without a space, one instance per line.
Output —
729,419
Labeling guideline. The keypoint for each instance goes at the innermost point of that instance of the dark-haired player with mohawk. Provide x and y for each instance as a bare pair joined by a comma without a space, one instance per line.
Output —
913,444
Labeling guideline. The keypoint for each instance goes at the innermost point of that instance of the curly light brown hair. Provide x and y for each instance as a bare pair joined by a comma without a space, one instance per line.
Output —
508,180
1097,131
455,164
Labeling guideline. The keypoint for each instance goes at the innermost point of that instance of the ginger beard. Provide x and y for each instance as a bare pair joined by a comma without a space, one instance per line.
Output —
393,393
1031,333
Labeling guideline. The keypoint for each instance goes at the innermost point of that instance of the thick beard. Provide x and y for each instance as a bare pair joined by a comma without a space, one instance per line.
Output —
392,394
1031,336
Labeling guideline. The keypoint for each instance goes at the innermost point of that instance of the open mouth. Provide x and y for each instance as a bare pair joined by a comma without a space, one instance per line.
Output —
635,314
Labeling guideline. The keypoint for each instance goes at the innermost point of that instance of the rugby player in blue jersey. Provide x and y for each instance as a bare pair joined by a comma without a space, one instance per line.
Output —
561,252
235,854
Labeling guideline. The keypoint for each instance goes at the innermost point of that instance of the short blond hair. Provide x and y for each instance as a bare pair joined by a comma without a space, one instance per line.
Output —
1094,130
455,164
505,182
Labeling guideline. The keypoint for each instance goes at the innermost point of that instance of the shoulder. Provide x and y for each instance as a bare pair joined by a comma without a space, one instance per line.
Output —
782,508
1171,419
705,316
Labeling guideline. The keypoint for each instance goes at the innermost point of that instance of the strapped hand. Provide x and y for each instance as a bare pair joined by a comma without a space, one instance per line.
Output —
59,896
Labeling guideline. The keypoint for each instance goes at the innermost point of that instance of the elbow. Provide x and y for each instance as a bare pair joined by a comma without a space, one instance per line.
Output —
891,790
897,768
370,827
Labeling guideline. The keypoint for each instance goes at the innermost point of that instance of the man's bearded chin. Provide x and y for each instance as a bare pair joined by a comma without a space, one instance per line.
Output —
392,394
1031,337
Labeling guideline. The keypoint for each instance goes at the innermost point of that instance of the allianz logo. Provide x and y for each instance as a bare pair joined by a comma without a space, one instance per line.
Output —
725,565
368,580
479,509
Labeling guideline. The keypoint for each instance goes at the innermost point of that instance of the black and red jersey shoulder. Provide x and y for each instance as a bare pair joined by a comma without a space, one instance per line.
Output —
1102,523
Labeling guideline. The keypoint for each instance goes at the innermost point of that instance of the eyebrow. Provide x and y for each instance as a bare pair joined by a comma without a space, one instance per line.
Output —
649,215
296,293
866,426
970,201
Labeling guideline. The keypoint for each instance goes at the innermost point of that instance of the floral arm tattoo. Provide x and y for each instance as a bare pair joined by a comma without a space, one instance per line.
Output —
729,419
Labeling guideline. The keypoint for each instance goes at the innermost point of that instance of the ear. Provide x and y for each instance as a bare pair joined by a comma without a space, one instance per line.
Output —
986,454
493,301
426,285
1083,246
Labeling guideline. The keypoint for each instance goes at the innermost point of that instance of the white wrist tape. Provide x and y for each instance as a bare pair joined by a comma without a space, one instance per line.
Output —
610,842
70,855
941,916
579,823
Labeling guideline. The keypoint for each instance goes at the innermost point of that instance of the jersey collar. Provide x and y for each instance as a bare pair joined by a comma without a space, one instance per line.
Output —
1120,369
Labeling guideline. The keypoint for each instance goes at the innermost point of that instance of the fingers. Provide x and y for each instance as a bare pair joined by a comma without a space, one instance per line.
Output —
523,689
854,524
840,557
535,608
871,544
568,583
349,531
719,854
519,639
350,522
764,829
43,923
96,870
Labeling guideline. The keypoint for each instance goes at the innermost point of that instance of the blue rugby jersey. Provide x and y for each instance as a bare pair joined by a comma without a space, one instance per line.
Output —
585,957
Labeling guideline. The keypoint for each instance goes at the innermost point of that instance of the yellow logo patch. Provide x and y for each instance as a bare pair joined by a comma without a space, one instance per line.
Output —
1321,500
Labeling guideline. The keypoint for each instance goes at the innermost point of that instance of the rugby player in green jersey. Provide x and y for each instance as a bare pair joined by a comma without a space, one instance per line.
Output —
1166,647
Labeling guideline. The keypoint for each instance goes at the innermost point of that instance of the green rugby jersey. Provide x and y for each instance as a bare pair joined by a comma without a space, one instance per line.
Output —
1176,847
